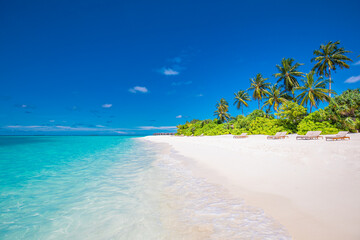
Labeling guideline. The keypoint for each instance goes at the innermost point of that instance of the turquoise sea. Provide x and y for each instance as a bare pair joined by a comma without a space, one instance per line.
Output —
105,187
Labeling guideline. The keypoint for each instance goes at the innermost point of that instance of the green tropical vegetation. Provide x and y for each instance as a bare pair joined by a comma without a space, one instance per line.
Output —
313,91
259,86
241,99
287,101
288,74
274,97
327,58
222,108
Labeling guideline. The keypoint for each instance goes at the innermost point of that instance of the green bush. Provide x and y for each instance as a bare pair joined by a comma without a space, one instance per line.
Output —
318,116
244,122
346,104
291,111
343,113
239,131
267,126
256,113
194,121
325,127
219,129
357,125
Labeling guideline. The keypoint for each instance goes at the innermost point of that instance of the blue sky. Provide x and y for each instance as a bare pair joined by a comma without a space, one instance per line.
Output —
138,67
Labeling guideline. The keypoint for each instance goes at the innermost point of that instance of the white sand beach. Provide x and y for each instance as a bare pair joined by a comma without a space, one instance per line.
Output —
312,187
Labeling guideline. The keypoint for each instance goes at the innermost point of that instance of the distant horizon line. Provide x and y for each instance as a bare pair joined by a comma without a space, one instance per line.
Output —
62,135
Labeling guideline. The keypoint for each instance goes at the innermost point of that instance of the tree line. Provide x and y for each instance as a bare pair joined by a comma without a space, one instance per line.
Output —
306,89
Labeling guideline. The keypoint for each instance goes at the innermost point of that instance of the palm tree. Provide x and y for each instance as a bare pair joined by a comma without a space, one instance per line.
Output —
259,86
223,104
313,91
327,58
222,110
241,98
288,74
275,97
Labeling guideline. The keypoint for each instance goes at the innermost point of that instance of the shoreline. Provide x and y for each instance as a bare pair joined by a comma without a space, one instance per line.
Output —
310,187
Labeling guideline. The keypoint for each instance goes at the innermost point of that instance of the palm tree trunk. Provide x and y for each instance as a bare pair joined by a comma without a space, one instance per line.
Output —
259,103
329,82
310,107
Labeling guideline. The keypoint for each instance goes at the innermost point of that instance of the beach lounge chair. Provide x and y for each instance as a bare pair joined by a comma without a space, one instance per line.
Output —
243,135
284,135
306,136
310,135
340,136
317,135
278,135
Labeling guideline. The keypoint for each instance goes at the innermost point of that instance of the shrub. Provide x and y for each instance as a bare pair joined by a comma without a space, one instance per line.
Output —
292,111
343,113
357,125
346,104
244,122
239,131
255,114
266,126
194,121
325,127
219,129
318,116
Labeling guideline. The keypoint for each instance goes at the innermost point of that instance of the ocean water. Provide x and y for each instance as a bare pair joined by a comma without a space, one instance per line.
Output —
94,187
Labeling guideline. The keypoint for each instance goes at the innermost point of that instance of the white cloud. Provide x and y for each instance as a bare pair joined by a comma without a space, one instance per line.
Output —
27,106
157,128
121,132
174,66
138,89
106,105
66,127
169,72
353,79
20,126
98,128
51,120
357,63
200,95
60,128
179,116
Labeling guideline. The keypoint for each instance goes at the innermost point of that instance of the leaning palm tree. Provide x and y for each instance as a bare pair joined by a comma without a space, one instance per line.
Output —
313,91
288,74
275,97
259,86
222,110
327,58
241,98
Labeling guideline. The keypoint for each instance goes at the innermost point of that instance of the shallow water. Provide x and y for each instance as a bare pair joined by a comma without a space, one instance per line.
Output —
114,188
207,211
